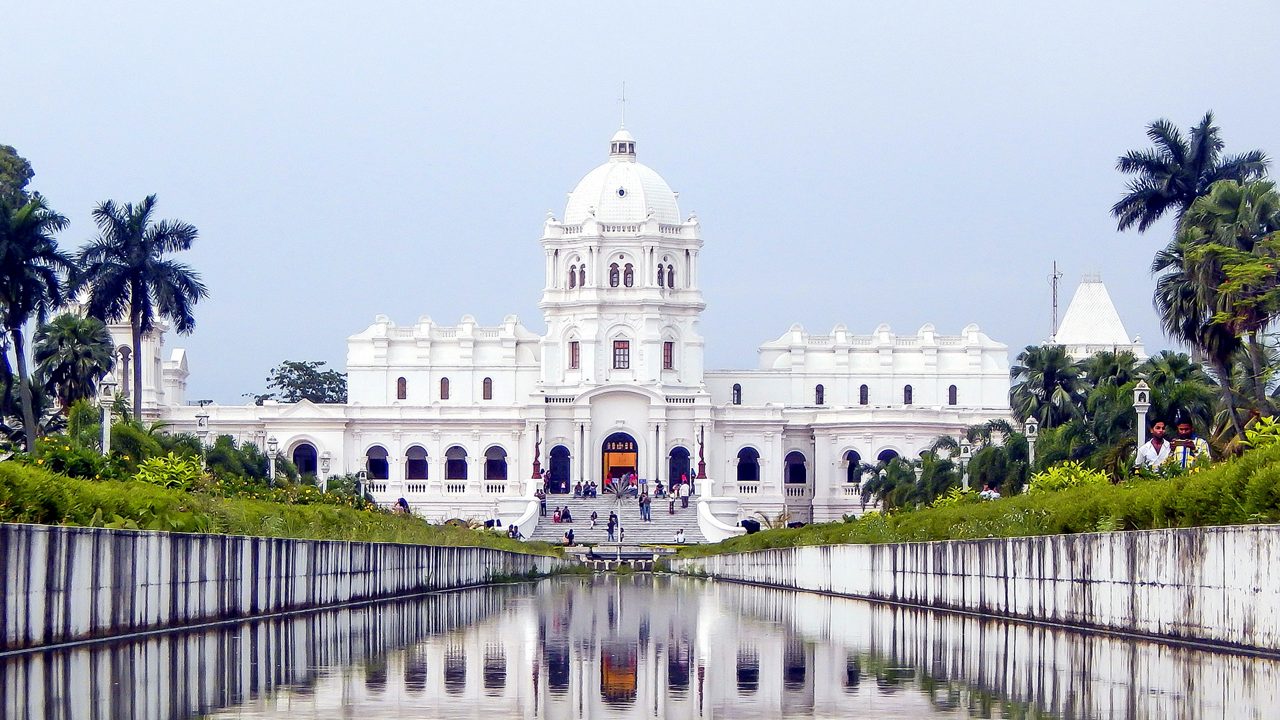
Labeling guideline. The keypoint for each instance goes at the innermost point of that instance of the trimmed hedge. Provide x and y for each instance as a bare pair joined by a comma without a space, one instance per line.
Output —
33,495
1239,491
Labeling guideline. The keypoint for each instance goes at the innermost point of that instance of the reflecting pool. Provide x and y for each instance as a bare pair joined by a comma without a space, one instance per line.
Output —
635,646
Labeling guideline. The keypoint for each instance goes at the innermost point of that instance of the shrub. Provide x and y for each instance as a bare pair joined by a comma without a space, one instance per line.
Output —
170,471
1066,475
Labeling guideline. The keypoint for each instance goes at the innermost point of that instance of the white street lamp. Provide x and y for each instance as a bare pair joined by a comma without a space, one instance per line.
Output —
1141,404
1032,428
326,461
106,399
272,446
202,431
966,452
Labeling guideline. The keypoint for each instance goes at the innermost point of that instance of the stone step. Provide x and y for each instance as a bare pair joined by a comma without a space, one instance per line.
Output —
661,530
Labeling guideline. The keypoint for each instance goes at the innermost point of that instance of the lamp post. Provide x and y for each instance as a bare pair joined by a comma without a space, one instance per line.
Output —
361,477
106,398
272,446
202,432
1032,429
326,459
966,452
1141,404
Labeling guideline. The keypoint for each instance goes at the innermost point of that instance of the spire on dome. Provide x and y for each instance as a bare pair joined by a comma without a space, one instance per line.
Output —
622,146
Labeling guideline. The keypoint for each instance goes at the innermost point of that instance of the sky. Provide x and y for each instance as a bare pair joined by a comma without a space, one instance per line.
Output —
857,163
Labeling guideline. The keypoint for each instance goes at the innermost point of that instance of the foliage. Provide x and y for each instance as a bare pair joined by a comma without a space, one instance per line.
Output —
1177,170
132,444
1047,385
32,268
170,471
71,354
958,495
1066,475
294,381
1241,490
15,174
63,455
30,494
1262,433
130,278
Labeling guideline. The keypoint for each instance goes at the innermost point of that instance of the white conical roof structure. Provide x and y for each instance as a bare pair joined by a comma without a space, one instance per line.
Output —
1091,323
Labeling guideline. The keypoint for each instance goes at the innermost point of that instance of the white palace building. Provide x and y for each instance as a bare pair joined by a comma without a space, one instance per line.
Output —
460,419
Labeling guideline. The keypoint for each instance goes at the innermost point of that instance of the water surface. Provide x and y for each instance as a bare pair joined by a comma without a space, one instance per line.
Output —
635,646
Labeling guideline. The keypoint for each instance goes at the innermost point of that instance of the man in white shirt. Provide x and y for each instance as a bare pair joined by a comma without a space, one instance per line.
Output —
684,495
1154,452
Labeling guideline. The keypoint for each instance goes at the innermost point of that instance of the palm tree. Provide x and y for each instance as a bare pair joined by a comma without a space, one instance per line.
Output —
1047,386
1177,170
1177,381
32,269
71,354
129,277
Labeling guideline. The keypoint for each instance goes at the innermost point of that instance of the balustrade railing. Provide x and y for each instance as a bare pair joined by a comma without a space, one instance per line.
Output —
415,488
495,488
744,489
797,492
455,488
378,486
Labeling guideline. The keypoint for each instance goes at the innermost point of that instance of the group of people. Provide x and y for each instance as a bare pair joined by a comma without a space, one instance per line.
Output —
589,490
561,515
1182,450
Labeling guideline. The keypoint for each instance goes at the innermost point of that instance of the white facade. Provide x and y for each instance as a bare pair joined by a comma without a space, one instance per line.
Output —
464,413
1091,324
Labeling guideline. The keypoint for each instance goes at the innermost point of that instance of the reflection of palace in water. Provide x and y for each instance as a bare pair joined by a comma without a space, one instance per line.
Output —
632,646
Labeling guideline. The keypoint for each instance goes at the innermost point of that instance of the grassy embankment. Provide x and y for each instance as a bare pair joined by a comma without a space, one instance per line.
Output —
1238,491
33,495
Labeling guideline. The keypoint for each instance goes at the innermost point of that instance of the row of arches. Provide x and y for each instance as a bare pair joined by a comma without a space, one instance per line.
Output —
864,395
416,467
623,274
795,465
402,388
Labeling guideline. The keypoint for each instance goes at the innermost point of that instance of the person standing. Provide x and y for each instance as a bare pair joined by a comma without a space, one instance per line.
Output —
542,501
684,494
1187,447
1154,452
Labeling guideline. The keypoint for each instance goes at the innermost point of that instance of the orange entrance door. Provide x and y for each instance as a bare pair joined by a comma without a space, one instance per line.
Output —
620,457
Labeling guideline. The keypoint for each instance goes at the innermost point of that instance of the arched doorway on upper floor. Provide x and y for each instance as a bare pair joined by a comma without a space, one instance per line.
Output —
415,463
853,467
886,455
375,459
795,468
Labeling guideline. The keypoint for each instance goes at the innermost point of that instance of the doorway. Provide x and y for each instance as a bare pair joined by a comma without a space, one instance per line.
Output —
620,456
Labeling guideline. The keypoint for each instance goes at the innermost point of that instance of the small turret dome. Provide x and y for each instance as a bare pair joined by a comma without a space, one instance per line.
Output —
622,190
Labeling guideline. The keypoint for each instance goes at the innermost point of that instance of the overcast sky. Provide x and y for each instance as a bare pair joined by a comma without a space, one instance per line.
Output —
857,163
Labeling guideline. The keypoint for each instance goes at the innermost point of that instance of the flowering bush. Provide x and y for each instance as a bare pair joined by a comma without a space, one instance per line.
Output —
58,454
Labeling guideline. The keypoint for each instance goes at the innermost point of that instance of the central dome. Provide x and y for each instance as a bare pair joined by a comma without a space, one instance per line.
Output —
622,190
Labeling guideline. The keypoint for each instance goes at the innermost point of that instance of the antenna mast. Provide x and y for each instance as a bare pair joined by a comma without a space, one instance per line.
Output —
1053,281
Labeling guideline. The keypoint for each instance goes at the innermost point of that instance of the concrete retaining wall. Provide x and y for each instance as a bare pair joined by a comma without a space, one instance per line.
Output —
69,583
1218,585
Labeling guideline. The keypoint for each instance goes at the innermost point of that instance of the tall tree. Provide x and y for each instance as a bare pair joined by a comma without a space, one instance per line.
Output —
1047,385
32,272
293,381
130,277
71,354
15,173
1174,172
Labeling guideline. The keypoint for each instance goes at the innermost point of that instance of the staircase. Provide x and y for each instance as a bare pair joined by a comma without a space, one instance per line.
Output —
660,531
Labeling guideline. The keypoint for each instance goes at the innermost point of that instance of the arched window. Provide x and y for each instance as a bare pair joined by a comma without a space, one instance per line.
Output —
415,463
582,275
906,395
671,276
795,472
402,389
495,463
444,388
863,393
951,395
573,277
628,275
853,467
748,465
886,455
304,458
613,275
819,395
575,355
662,278
737,394
455,463
486,389
375,462
559,472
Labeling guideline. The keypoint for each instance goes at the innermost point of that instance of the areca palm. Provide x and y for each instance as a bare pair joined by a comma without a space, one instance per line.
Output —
1048,386
1174,172
71,353
32,270
130,277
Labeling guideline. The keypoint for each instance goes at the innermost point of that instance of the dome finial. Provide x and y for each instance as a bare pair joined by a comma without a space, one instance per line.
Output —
623,101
